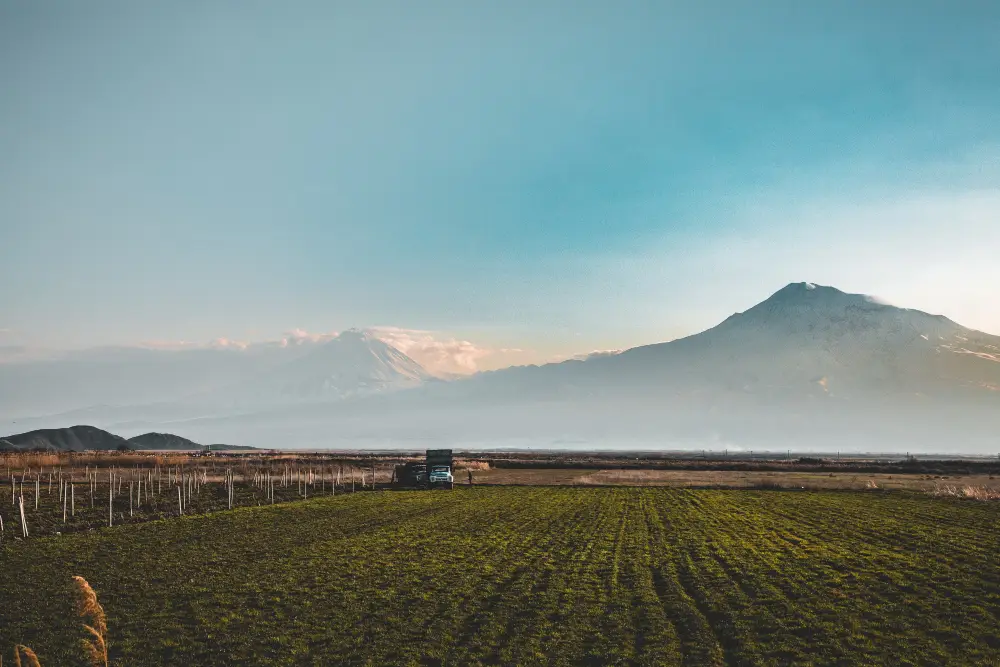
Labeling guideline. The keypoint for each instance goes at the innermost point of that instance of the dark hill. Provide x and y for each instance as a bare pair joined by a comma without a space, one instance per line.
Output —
164,441
72,439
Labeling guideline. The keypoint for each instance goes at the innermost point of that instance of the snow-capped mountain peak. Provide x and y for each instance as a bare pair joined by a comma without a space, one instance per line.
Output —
354,363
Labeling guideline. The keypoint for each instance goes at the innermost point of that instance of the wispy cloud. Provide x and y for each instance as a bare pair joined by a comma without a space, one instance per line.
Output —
438,354
303,335
217,344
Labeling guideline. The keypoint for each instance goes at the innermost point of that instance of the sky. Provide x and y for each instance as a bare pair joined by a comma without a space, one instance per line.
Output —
512,182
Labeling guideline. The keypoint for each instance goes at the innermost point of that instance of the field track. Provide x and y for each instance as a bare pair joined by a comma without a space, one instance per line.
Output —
530,575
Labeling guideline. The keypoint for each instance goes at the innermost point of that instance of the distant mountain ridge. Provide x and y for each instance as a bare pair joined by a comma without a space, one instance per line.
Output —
71,439
808,366
89,438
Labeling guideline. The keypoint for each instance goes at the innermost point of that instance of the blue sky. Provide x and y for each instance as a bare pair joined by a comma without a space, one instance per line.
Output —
554,177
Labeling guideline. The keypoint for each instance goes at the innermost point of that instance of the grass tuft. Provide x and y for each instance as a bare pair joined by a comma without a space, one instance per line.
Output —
32,659
95,623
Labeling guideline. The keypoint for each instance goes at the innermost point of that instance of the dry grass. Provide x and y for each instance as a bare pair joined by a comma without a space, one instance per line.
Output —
32,659
968,491
736,479
471,465
95,623
628,477
38,460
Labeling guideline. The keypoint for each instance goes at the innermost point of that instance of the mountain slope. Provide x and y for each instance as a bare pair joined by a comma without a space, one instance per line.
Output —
72,439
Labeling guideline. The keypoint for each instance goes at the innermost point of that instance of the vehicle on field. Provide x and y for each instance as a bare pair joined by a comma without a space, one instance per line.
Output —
441,476
439,465
434,472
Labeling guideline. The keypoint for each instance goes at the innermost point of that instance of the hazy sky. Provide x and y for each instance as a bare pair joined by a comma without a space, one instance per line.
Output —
554,177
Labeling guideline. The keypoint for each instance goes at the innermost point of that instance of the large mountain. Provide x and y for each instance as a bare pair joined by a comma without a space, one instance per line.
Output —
813,340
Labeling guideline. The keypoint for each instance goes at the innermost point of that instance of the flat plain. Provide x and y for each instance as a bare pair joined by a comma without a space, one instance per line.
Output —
529,575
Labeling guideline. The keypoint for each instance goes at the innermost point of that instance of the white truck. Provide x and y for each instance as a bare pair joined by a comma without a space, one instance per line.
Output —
439,465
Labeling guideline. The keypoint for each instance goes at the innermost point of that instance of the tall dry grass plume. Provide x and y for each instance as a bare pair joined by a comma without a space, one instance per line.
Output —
95,623
32,659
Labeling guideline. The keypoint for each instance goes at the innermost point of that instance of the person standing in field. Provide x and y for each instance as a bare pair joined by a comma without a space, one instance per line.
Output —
470,476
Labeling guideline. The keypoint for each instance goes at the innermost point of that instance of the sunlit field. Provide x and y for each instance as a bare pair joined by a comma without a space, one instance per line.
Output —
554,575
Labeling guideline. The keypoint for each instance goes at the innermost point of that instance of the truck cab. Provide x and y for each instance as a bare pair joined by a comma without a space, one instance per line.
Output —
440,475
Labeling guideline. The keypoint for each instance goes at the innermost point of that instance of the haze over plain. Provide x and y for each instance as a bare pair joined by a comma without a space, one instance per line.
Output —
478,189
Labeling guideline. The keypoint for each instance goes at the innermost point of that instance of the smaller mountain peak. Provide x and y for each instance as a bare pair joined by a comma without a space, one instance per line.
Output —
804,287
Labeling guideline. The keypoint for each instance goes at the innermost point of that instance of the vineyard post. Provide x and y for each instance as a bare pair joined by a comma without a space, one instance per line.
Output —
63,494
72,500
24,522
37,481
111,496
180,506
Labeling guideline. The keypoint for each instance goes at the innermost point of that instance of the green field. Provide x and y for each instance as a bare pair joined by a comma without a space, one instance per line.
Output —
529,576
